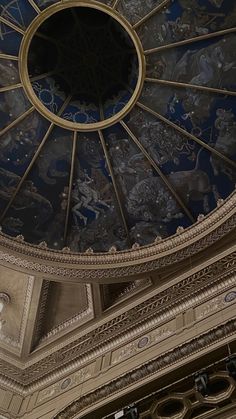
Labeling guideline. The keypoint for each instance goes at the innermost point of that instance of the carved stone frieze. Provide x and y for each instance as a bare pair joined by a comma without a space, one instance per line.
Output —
136,346
65,384
17,341
41,311
99,267
110,332
148,369
214,305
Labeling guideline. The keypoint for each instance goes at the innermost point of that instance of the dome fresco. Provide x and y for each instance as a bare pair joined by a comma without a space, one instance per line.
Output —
158,76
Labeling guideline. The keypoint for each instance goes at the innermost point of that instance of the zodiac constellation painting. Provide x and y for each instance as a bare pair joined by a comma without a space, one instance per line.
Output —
12,11
165,79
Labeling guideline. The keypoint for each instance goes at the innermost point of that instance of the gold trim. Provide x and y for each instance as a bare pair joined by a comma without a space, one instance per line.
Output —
190,41
73,155
151,13
18,187
41,76
11,87
25,79
191,86
11,25
8,57
47,38
115,4
187,134
158,170
36,155
115,186
16,121
34,5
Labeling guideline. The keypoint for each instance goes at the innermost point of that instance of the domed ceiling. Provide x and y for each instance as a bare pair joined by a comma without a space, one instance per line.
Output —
117,118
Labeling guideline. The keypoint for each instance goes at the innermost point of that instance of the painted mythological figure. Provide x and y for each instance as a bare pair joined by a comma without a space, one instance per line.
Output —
85,197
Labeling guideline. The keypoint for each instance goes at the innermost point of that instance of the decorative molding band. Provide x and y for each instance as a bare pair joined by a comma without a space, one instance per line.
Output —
18,341
156,328
147,370
27,302
41,311
125,326
99,267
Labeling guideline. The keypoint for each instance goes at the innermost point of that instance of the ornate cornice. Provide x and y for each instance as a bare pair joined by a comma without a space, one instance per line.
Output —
41,311
54,364
149,369
99,267
17,341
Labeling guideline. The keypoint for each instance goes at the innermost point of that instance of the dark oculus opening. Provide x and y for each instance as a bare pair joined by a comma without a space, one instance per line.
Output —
91,55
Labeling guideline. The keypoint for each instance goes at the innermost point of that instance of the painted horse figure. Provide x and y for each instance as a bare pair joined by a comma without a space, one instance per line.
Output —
86,197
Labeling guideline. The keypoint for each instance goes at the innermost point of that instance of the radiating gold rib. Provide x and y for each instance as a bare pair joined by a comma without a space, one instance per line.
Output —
57,43
188,135
32,161
151,13
191,86
115,4
47,38
125,85
116,189
43,75
75,16
7,88
158,170
16,121
11,25
111,171
8,57
35,6
190,41
70,184
27,171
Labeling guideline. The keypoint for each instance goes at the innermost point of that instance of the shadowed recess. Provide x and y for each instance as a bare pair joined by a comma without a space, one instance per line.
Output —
92,58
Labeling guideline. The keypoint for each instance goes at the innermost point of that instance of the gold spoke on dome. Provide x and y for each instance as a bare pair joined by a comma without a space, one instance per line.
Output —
115,186
11,25
49,39
11,87
75,17
191,86
159,172
36,155
16,121
68,208
156,10
8,57
190,41
113,178
115,3
43,75
188,134
35,6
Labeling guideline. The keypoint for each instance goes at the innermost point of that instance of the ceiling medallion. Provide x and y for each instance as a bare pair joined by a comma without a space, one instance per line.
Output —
95,61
